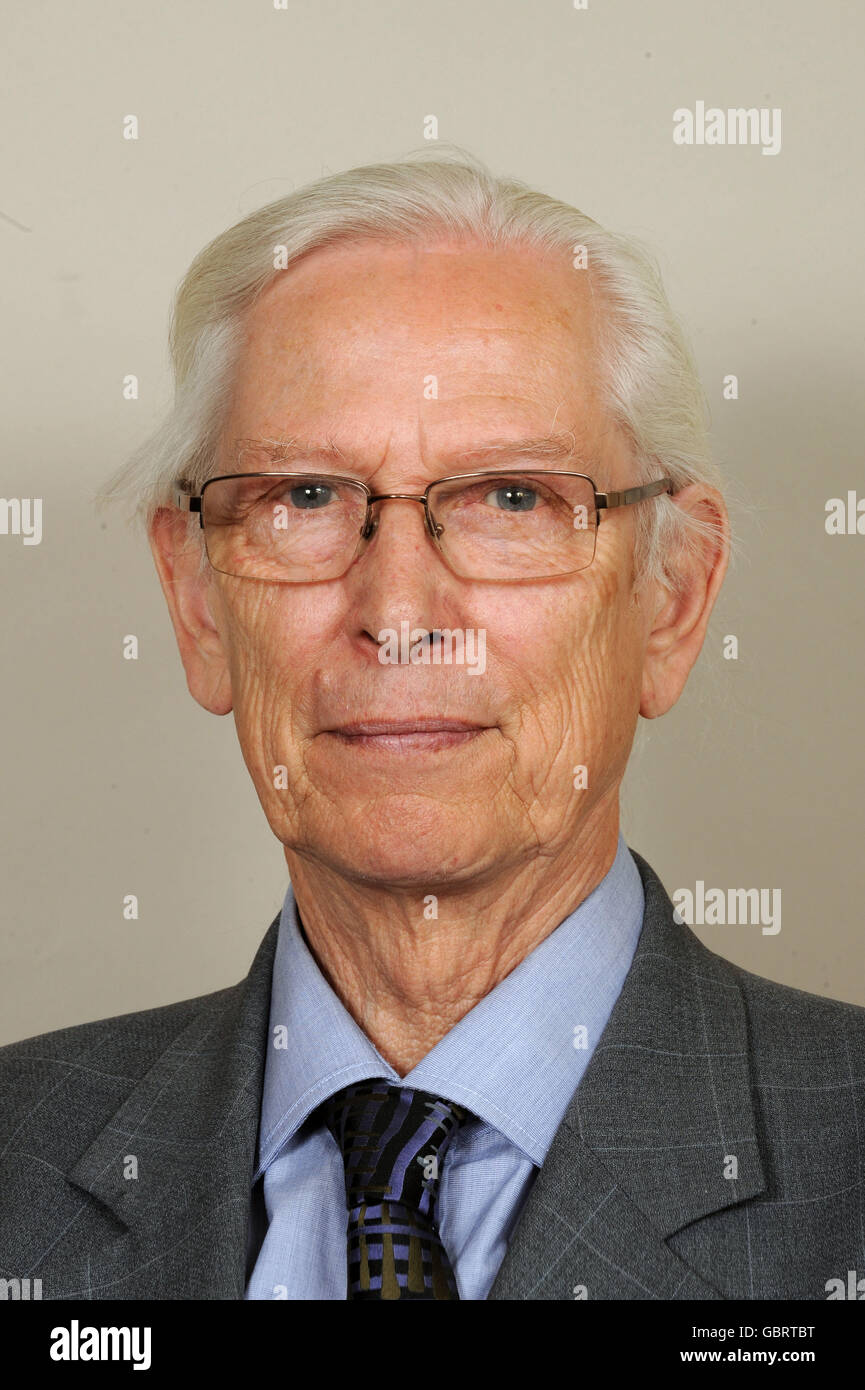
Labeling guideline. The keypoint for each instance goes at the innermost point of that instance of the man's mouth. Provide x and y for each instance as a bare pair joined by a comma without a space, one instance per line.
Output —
406,735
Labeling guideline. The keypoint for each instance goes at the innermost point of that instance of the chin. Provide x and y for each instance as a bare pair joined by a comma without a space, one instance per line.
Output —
411,846
392,866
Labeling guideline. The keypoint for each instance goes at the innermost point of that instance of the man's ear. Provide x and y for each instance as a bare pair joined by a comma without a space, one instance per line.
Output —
680,615
177,556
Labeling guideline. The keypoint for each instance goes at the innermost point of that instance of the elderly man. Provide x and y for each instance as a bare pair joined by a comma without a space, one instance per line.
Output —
434,519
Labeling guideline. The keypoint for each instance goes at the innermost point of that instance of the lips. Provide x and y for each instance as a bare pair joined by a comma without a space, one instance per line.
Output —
376,728
402,738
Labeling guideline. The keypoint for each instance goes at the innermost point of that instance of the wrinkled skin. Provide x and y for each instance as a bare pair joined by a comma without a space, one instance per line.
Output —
337,351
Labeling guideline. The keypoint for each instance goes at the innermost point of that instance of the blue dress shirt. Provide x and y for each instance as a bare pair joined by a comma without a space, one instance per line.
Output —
514,1061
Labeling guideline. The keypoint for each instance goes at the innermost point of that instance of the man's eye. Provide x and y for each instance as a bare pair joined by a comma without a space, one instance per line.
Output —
308,496
512,498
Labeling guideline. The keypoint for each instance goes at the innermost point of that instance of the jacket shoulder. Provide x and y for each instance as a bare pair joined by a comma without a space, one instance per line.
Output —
767,998
800,1042
86,1070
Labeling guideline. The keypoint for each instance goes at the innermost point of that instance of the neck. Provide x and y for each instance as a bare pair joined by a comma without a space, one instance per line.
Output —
408,966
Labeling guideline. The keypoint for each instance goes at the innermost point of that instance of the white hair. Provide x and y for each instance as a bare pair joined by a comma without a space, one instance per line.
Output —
649,378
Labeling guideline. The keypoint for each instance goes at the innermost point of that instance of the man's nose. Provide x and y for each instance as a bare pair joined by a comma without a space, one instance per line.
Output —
399,572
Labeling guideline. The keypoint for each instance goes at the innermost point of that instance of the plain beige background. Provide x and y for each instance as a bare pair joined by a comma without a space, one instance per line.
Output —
114,780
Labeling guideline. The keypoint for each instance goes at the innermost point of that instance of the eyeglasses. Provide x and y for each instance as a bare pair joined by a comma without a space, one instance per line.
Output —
303,527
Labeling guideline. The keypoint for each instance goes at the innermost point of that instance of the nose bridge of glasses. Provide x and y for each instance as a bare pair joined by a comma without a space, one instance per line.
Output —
373,519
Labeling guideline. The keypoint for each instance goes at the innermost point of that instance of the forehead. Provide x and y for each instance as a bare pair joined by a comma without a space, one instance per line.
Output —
447,339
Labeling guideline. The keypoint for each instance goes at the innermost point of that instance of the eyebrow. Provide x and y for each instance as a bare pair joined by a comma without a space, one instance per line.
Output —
554,448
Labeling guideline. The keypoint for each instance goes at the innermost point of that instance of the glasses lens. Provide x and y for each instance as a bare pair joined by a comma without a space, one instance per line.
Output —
526,525
287,529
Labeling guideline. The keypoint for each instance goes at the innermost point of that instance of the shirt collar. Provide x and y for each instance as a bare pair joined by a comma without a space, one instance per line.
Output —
514,1060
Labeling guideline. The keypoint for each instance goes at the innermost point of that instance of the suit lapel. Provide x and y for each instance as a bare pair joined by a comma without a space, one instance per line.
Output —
191,1127
661,1117
659,1133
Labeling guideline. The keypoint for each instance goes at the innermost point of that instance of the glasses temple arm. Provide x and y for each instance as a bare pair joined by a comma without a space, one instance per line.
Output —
605,500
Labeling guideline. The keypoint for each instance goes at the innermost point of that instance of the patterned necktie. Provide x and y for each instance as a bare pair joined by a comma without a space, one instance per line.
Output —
393,1141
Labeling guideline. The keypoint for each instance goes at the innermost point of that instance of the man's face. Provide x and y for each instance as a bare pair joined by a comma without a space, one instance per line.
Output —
340,350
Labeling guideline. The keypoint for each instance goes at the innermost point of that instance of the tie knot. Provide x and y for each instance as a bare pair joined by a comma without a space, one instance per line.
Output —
393,1141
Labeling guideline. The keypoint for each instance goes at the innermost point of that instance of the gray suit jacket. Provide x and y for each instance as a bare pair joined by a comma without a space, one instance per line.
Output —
713,1149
